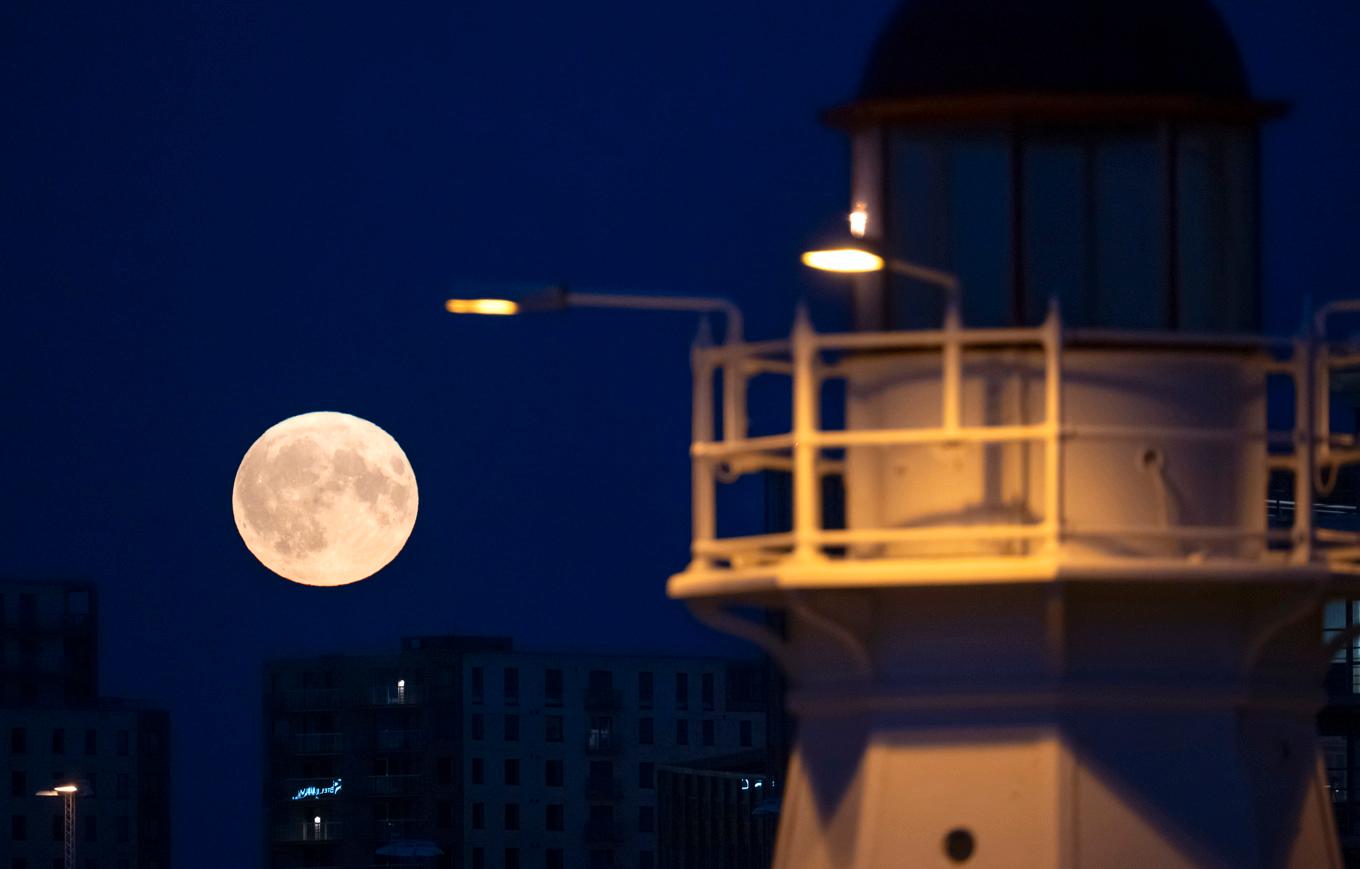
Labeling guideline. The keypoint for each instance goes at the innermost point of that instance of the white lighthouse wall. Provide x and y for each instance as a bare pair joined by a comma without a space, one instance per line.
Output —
1145,482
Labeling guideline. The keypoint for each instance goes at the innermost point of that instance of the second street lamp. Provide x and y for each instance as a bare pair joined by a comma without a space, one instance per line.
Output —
559,297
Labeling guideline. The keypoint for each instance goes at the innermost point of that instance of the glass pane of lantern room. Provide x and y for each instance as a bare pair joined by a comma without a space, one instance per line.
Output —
949,208
1095,223
1130,234
1216,229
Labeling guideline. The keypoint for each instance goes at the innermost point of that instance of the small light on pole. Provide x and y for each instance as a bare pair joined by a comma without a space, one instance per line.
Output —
67,792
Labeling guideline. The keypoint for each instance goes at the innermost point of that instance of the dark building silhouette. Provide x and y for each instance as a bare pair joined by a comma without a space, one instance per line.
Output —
496,758
57,730
717,814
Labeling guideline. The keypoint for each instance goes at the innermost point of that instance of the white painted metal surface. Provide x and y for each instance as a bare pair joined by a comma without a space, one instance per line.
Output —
1057,628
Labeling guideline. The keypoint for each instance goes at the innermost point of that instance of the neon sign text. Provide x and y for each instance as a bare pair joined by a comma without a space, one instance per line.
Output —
316,792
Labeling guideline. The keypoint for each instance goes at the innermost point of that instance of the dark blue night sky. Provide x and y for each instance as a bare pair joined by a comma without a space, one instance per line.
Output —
216,216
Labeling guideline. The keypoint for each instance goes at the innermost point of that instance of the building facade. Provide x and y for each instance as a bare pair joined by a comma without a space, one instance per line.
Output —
56,730
718,814
496,758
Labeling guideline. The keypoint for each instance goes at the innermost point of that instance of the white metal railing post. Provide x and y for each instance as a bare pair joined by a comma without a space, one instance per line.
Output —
1305,361
734,385
806,483
1053,377
952,362
703,486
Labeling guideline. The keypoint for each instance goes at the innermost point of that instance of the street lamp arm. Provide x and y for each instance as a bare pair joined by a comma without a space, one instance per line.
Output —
924,273
697,304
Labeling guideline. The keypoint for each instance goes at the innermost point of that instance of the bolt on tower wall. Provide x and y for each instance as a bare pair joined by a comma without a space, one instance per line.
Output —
1059,627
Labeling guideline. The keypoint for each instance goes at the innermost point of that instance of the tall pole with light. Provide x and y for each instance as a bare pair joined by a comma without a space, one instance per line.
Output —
67,792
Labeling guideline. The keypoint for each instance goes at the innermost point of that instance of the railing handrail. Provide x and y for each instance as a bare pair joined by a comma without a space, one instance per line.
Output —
727,451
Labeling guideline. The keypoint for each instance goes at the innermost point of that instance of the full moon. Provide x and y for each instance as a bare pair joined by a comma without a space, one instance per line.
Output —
325,498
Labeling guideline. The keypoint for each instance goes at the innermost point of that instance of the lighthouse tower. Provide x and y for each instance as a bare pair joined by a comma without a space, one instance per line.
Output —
1058,626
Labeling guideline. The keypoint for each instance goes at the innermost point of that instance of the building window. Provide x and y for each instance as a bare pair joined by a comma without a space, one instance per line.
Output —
647,776
478,726
511,858
681,690
553,859
511,686
443,770
91,741
601,732
124,785
645,689
706,730
646,734
681,732
646,819
18,828
706,691
601,859
512,728
744,733
552,773
91,828
512,816
478,687
122,829
58,740
479,816
552,728
646,860
444,813
478,771
512,771
58,829
18,740
552,687
478,858
123,742
18,784
553,814
1338,770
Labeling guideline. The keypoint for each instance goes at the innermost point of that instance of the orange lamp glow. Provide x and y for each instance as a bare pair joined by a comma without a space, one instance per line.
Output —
846,260
490,307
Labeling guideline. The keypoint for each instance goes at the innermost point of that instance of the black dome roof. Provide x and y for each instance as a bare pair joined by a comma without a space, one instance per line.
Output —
1178,48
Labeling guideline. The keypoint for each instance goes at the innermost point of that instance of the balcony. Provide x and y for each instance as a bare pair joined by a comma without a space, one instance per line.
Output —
396,785
602,699
393,695
401,740
317,743
603,788
312,698
603,832
403,828
602,743
309,831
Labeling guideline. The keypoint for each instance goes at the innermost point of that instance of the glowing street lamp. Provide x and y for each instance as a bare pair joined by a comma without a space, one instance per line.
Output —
67,792
558,298
856,253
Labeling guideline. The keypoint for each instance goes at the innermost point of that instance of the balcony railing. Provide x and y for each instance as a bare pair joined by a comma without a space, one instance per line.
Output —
401,740
602,699
601,832
1037,540
309,831
403,828
317,743
603,788
312,698
603,743
389,785
392,695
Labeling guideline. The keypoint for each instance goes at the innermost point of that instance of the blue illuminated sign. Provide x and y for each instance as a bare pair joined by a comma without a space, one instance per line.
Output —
316,792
